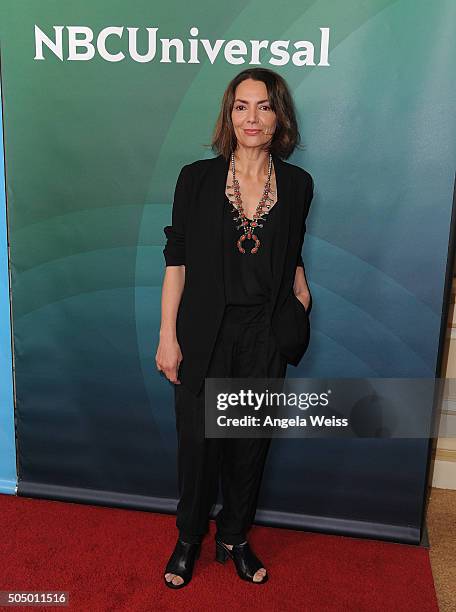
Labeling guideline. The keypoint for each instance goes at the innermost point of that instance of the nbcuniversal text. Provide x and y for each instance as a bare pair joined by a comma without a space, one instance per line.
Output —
123,43
334,408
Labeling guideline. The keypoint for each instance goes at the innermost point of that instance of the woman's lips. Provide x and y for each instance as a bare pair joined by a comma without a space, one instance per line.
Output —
252,132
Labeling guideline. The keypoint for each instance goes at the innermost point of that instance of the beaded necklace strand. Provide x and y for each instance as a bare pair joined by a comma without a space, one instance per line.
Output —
262,209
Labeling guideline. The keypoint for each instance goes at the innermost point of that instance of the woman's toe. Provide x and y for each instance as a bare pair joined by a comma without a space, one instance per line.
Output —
259,575
177,580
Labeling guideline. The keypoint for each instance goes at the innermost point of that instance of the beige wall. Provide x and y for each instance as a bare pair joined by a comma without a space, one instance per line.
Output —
444,474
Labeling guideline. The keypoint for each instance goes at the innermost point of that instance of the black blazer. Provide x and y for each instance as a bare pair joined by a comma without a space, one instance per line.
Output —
195,240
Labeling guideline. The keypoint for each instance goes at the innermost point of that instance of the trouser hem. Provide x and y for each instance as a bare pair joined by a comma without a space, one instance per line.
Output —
230,538
190,539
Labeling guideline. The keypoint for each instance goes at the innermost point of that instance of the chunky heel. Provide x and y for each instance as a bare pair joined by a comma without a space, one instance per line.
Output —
220,553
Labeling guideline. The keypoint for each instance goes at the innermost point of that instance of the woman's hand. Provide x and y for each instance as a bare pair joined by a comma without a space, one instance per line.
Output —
304,298
300,288
169,357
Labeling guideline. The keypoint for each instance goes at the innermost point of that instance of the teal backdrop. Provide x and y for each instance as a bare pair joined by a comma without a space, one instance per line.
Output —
8,478
93,150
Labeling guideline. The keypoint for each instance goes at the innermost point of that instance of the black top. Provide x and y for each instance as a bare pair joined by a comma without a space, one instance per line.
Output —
248,276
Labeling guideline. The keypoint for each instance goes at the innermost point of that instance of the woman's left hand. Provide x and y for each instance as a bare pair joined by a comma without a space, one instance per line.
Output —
304,298
300,288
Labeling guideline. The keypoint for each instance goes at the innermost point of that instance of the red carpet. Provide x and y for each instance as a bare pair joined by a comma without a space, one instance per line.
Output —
113,559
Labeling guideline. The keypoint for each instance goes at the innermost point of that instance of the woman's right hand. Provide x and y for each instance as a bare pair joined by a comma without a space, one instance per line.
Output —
168,358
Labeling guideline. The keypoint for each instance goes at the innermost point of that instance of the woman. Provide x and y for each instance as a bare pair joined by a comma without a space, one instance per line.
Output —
234,304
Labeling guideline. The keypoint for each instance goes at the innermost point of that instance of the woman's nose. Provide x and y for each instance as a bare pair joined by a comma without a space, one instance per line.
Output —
252,116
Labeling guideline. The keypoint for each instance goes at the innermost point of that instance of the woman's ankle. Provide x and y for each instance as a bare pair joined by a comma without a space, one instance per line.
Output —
231,545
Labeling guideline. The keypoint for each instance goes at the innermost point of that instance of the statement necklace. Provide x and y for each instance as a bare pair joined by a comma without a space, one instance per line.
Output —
261,210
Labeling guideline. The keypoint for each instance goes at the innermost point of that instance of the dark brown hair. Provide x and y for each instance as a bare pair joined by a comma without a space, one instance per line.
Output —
286,136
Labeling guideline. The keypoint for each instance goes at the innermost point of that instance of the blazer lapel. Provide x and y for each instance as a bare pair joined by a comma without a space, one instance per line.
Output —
284,217
213,222
218,183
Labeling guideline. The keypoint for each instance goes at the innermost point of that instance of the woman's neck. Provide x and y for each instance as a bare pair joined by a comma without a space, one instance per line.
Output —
251,163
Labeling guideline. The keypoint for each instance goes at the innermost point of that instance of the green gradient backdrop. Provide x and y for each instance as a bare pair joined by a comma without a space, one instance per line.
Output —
93,150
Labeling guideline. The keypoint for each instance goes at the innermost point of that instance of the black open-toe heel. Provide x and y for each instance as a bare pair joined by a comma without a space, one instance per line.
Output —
245,560
182,562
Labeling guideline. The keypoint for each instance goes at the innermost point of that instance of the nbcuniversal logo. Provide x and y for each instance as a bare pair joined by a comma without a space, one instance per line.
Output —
118,43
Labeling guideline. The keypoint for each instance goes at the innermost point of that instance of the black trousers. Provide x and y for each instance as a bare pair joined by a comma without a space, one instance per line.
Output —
244,348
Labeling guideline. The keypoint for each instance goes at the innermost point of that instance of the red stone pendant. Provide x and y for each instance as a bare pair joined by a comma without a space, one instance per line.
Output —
248,236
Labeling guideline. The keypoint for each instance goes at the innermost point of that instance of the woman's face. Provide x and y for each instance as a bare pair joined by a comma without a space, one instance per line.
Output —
253,119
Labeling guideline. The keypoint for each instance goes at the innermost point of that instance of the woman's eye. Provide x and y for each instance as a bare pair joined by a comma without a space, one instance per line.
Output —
239,106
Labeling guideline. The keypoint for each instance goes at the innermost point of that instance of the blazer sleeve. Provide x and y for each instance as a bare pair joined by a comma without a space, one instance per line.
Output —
174,251
308,199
